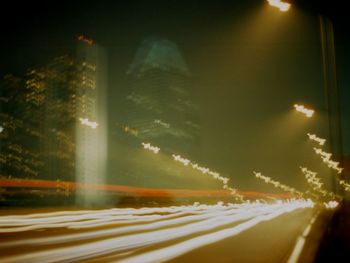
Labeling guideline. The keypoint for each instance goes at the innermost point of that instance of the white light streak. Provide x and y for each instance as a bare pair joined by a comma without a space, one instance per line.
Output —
178,158
214,175
1,129
148,146
87,122
168,253
312,178
326,158
300,108
277,184
209,223
319,140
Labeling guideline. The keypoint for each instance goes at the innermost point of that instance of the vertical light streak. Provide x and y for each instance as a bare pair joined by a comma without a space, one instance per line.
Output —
91,143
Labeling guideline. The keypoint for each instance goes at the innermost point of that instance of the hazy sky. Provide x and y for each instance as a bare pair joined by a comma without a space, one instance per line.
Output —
249,65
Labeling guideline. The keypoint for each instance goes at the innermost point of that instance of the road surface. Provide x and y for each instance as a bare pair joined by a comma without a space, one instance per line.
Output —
197,233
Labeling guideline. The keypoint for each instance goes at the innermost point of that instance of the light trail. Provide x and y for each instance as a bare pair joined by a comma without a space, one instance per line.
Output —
206,223
312,178
171,252
315,183
146,214
130,190
214,175
9,223
210,213
277,184
195,166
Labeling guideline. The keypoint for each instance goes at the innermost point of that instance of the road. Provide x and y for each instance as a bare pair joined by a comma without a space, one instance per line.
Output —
197,233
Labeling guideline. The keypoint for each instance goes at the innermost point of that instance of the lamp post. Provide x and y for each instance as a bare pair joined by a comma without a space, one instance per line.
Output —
331,91
330,84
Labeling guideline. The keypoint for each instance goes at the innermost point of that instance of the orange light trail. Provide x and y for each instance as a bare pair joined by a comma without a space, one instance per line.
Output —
133,191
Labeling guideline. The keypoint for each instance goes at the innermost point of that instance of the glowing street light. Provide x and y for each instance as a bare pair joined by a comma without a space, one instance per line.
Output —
308,113
282,6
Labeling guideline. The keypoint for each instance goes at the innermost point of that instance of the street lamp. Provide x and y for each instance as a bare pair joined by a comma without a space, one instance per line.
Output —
282,6
300,108
331,89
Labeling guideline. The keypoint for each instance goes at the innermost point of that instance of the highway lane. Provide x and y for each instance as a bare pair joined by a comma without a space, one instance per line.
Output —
206,233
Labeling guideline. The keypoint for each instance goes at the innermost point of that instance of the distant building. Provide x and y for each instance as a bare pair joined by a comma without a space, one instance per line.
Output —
159,107
21,121
53,118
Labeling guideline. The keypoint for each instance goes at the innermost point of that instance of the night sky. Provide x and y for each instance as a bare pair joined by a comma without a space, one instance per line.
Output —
249,64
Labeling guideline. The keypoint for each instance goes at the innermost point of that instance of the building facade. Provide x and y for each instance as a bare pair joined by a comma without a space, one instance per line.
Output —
50,118
159,107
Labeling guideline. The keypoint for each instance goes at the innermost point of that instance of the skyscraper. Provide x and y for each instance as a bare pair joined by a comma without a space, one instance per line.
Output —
20,118
160,107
